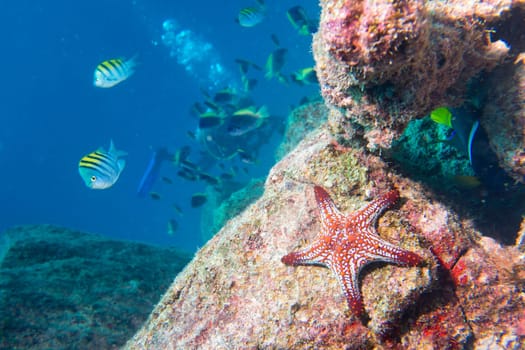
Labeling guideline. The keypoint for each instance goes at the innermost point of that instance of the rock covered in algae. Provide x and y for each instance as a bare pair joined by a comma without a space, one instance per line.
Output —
489,281
386,63
236,293
62,289
302,120
504,116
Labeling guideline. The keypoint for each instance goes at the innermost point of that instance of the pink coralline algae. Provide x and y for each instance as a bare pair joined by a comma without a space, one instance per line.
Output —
387,62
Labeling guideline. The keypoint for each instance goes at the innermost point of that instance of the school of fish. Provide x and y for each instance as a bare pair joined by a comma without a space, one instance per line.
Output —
230,126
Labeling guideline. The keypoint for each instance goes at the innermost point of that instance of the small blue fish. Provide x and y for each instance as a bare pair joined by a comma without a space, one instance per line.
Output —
112,72
101,169
245,157
251,16
152,172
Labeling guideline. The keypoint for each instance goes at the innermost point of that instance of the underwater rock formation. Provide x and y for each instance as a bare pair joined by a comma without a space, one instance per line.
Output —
385,63
218,210
62,289
302,120
236,292
504,116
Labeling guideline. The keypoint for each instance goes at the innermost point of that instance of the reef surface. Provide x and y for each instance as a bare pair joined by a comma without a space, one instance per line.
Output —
386,63
236,292
63,289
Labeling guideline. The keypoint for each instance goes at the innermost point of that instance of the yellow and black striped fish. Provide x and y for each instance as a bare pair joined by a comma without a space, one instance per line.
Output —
111,72
101,169
251,16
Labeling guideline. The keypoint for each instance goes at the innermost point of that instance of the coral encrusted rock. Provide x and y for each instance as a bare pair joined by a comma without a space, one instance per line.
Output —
385,62
236,292
62,289
504,117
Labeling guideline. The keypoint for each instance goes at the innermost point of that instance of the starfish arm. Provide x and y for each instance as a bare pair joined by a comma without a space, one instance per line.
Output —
330,215
381,250
316,254
367,216
347,272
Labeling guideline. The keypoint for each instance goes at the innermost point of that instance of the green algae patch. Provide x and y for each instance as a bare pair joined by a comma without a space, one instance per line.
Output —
336,169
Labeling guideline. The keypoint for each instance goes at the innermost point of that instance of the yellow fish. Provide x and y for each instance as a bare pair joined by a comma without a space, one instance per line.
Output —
305,76
101,169
251,16
275,63
114,71
442,115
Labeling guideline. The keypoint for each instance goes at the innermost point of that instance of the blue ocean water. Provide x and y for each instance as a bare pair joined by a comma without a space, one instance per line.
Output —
51,114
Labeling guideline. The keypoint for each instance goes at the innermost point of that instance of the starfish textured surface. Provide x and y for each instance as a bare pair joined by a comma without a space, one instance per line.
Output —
347,243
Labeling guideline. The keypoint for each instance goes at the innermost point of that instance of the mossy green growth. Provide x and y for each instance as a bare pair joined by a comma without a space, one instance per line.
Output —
356,93
336,169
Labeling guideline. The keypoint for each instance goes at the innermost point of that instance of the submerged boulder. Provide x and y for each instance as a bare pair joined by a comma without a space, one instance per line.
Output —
63,289
236,292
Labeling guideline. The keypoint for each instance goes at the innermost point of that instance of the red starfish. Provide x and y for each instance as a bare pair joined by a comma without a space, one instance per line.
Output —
349,242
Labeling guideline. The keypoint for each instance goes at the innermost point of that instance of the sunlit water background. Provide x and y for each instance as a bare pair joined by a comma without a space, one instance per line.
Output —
51,114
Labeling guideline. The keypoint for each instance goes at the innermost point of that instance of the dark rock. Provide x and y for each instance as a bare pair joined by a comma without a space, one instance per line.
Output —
62,289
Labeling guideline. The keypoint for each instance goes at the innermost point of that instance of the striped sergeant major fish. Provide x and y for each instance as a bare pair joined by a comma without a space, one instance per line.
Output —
251,16
114,71
101,169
